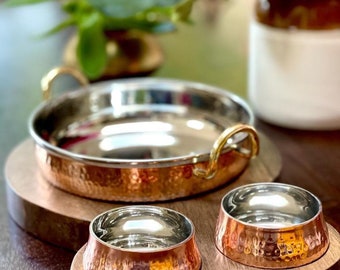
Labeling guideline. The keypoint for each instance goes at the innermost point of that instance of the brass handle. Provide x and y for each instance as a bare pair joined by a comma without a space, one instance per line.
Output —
211,169
48,79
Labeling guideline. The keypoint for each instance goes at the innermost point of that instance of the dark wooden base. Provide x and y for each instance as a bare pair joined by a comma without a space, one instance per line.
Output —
61,218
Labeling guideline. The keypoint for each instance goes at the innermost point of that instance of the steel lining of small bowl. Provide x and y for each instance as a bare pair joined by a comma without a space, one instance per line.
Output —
141,237
271,225
142,139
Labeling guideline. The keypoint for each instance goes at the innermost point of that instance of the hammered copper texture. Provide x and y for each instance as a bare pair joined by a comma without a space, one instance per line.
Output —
331,256
99,257
63,218
136,184
270,248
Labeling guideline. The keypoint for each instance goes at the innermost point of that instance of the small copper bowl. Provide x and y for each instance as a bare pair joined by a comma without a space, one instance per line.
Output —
271,225
141,237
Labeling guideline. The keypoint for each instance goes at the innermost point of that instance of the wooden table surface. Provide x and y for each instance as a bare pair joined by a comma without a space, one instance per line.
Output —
213,50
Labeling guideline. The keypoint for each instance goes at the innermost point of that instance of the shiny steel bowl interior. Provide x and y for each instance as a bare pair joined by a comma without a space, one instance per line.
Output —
131,139
271,225
139,120
141,236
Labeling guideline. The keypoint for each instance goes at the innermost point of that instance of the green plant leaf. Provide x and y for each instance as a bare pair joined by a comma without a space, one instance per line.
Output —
91,49
155,19
183,10
153,27
59,27
94,17
129,8
24,2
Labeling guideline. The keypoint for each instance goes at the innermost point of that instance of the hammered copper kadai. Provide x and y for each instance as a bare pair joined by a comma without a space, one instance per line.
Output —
142,139
271,225
141,237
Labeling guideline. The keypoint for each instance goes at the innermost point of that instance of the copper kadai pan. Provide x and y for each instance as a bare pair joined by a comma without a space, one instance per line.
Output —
141,139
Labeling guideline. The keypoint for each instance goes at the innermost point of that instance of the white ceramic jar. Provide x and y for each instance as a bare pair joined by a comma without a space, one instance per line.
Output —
294,63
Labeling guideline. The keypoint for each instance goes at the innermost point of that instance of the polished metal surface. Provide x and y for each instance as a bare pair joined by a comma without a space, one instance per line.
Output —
141,237
271,225
142,228
138,120
141,139
271,205
51,206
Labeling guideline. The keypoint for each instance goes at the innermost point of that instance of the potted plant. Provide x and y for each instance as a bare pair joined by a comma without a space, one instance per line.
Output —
98,22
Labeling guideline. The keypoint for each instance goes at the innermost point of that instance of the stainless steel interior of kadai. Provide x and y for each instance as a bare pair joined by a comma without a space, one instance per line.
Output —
141,139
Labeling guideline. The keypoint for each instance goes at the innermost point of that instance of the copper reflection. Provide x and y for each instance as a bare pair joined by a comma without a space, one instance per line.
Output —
262,244
141,237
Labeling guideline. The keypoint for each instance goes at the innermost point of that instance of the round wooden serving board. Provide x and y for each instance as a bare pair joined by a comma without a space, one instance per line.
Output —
63,219
331,256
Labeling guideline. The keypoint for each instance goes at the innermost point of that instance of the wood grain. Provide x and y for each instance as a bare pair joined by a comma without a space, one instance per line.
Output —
62,218
213,50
